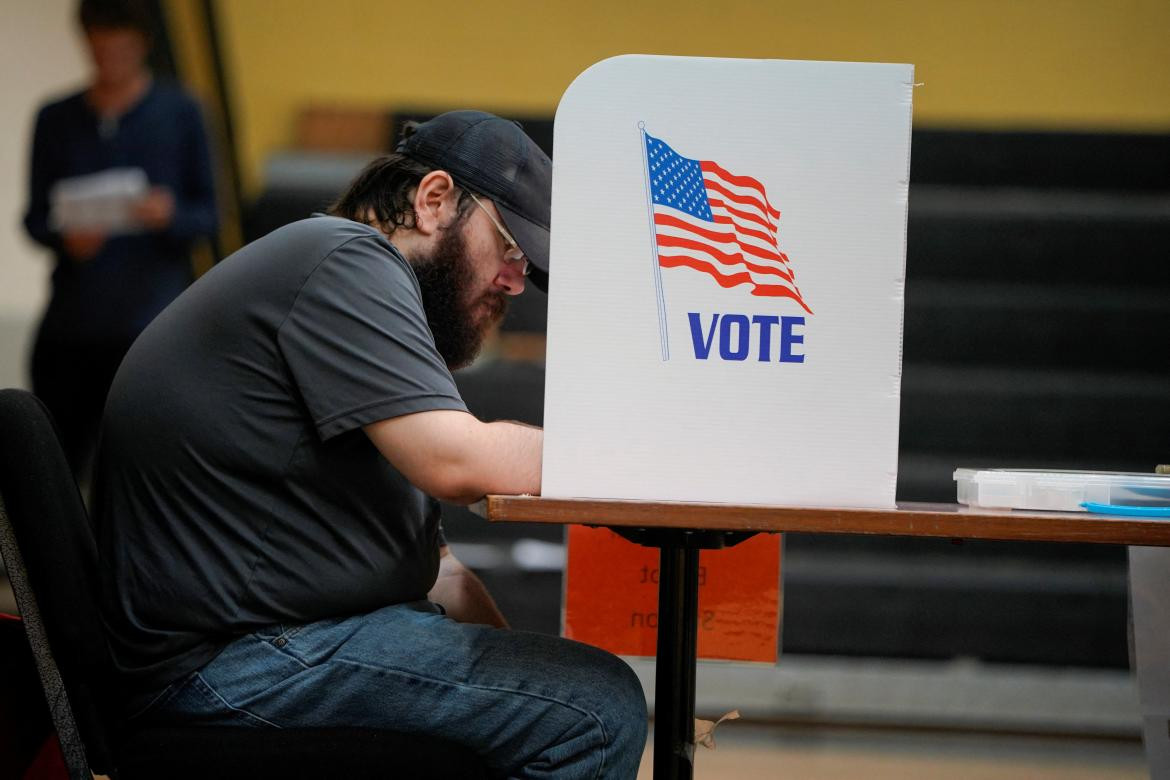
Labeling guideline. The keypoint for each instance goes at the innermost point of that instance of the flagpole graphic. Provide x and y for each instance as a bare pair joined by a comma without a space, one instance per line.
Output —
663,332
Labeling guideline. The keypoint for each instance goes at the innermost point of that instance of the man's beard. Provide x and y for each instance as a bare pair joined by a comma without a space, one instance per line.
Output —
459,322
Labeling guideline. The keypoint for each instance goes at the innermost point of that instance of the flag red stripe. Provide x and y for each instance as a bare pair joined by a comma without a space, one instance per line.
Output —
747,231
780,291
718,236
746,200
722,257
707,166
742,214
733,280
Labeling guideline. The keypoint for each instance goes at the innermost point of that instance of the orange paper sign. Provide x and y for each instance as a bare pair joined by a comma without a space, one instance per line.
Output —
611,596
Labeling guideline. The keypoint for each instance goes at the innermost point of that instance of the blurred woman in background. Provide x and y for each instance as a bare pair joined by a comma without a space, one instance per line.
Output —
115,268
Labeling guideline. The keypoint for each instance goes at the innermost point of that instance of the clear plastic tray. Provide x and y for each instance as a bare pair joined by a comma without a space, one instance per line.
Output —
1060,490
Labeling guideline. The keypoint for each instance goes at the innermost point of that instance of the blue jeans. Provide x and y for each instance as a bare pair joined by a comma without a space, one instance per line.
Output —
533,706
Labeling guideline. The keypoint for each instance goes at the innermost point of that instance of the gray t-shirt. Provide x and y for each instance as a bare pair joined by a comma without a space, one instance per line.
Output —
236,487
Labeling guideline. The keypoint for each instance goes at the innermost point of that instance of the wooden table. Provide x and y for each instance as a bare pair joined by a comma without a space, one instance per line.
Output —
680,530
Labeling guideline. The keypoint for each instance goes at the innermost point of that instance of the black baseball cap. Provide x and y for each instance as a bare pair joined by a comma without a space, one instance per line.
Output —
495,158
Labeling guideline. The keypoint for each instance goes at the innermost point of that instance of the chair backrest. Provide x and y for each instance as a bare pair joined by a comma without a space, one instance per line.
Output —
50,552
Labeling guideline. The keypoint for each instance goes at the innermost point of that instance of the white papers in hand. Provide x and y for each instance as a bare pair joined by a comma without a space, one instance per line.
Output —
98,202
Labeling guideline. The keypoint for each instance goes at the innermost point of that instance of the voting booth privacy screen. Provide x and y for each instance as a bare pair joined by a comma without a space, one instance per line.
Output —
725,317
726,295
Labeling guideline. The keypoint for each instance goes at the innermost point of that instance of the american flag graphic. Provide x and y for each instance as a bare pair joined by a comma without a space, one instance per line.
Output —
713,221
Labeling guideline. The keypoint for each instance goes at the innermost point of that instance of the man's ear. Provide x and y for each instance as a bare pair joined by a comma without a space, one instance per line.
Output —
434,202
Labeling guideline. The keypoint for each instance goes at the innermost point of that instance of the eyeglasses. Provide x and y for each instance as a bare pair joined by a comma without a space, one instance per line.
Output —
514,254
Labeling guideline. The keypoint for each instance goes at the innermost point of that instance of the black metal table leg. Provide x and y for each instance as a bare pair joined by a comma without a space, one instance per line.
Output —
674,679
678,630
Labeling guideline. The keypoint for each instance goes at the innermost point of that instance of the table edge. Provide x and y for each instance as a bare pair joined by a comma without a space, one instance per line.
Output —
905,519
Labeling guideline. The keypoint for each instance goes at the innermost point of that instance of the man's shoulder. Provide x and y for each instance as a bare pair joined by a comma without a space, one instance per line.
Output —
327,225
320,247
326,234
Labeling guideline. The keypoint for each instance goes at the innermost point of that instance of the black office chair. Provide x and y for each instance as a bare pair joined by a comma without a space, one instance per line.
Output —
49,549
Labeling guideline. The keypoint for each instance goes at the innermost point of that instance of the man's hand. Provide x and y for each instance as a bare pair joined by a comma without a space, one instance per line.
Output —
463,595
454,457
81,247
156,209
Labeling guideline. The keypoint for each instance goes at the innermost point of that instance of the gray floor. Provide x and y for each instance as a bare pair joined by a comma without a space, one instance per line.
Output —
747,751
813,717
961,695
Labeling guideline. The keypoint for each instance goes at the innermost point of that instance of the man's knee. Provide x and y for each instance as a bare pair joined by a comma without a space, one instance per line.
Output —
611,736
624,701
624,717
631,696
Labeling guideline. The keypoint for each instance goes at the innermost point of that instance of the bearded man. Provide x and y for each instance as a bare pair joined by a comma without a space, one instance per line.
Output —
273,452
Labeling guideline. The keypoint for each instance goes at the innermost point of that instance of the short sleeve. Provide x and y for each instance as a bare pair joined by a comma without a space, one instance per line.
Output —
357,343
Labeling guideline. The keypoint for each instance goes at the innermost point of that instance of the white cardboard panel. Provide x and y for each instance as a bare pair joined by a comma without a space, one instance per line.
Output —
830,144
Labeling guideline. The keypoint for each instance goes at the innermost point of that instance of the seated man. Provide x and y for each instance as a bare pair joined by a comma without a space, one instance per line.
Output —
272,452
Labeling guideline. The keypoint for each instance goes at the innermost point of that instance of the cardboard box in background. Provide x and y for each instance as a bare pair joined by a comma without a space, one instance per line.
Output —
332,128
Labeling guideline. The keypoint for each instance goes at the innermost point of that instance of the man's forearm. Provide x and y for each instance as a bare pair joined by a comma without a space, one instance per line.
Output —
516,465
503,457
454,457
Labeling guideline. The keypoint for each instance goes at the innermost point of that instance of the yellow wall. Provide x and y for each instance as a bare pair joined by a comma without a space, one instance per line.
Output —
1086,64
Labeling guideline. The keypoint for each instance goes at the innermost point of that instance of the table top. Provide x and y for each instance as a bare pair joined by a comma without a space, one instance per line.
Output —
952,521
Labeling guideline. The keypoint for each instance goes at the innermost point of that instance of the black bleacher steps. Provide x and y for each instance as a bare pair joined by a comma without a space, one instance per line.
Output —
1038,236
1070,160
1102,327
1047,415
1012,608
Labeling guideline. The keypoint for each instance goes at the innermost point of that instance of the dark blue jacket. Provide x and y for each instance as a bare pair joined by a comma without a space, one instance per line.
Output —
133,277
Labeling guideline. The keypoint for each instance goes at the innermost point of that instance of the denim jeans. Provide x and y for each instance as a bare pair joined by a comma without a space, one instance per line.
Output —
533,706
